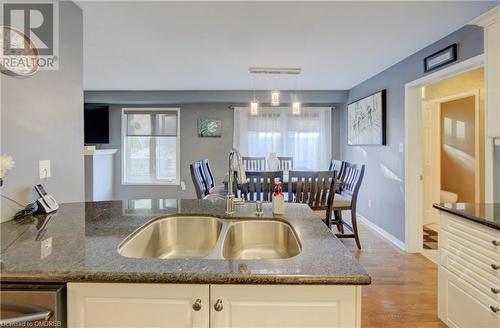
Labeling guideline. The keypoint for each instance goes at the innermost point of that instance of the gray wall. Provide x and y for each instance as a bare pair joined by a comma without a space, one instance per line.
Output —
42,118
384,179
192,148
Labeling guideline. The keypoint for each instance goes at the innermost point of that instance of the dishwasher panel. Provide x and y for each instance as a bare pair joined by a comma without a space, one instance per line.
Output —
31,305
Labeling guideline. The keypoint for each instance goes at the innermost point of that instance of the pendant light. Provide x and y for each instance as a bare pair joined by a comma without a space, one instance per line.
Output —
275,98
254,108
296,107
254,104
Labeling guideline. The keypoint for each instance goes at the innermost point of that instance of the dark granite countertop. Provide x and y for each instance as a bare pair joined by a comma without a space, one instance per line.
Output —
79,243
485,214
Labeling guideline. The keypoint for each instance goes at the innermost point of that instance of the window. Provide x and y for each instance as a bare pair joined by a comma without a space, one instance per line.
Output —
150,146
305,136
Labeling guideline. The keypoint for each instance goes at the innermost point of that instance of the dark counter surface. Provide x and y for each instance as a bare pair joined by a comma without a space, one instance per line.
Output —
79,243
482,213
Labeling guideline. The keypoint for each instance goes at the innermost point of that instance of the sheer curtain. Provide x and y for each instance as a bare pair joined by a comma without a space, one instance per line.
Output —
306,136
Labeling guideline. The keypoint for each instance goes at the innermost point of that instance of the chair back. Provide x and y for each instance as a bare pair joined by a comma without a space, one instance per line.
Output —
285,163
317,192
301,175
197,176
338,166
351,180
260,185
297,179
254,163
207,172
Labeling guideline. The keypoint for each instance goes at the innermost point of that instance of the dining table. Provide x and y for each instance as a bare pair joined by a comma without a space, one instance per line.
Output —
284,183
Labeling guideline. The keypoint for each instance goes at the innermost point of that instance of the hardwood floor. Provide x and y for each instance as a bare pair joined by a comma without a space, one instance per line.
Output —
403,292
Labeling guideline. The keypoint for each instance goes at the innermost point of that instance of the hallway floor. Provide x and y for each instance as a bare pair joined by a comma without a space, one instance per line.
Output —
403,292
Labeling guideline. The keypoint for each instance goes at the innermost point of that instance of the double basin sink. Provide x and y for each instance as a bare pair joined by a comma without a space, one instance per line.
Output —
181,237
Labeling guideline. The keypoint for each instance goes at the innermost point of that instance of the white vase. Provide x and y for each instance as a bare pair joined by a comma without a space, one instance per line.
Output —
273,163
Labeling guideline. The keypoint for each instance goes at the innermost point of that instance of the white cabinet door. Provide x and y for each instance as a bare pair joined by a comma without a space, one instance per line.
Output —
285,306
137,305
463,306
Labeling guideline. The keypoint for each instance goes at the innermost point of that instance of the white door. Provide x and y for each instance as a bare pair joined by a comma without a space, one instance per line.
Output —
285,306
431,160
137,305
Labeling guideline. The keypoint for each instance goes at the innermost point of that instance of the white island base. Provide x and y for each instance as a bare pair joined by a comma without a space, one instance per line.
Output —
185,305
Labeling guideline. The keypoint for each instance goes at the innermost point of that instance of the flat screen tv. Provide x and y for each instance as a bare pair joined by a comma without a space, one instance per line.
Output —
96,123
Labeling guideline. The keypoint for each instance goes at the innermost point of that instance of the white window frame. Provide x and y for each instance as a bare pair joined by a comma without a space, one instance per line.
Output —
177,180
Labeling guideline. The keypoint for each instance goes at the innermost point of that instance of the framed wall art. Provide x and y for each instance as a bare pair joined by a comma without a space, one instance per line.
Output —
366,121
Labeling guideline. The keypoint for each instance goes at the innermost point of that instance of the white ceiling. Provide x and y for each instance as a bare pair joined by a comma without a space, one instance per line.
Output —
209,46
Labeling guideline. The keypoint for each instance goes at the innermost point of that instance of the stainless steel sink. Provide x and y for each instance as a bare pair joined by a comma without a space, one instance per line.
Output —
173,237
260,239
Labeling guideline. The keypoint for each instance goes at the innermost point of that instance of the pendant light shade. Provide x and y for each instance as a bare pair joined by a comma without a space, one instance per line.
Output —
296,108
275,98
254,108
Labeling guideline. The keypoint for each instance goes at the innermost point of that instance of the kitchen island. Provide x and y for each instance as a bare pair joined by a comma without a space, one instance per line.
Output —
78,246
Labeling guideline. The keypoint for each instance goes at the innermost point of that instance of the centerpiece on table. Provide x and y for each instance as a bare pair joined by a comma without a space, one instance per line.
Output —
6,164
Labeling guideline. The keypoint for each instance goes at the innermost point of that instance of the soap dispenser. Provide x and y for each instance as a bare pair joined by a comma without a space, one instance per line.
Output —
278,199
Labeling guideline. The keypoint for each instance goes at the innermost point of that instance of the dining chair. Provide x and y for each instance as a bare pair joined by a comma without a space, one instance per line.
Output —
207,172
198,180
346,200
254,163
285,163
338,166
260,185
294,176
209,179
318,192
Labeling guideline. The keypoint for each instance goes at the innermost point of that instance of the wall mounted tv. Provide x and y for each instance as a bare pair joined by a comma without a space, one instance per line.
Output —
96,123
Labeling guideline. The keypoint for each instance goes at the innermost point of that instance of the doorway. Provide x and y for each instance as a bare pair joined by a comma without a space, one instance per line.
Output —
416,93
452,159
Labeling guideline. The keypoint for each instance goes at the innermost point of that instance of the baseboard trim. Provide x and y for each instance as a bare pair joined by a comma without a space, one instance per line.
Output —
396,242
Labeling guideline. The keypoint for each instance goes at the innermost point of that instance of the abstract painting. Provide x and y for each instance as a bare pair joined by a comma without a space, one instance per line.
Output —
208,127
366,120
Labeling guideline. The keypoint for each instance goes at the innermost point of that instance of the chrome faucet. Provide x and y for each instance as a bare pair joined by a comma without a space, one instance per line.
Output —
242,179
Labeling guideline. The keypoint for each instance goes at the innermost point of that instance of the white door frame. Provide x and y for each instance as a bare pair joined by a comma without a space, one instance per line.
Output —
413,149
432,187
435,186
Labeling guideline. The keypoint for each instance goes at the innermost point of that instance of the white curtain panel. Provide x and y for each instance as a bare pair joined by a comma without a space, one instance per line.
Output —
306,136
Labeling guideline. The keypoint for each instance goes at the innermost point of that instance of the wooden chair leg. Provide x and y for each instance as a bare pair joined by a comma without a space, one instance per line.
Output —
338,221
329,220
355,227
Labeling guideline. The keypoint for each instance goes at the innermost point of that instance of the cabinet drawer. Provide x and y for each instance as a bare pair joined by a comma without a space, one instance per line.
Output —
468,269
466,251
472,234
461,305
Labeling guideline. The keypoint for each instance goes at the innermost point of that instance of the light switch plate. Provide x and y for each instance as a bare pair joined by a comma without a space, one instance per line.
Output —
44,169
401,147
183,185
